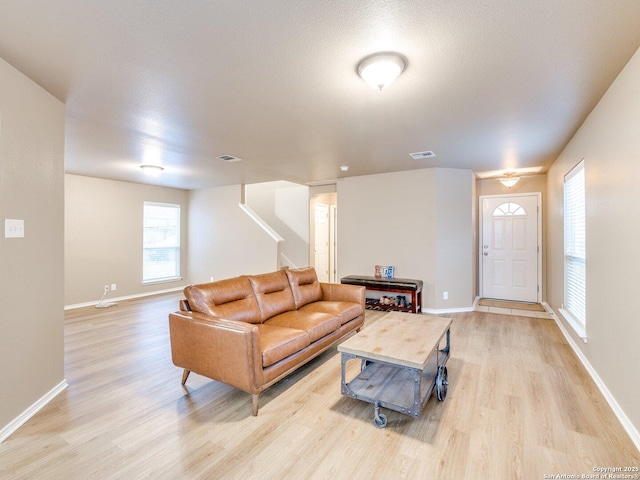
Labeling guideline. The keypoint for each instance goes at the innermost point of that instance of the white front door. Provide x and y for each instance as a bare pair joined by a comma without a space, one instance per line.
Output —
510,247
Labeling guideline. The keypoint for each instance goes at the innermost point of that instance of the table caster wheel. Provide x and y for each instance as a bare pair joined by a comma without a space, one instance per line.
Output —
380,421
442,382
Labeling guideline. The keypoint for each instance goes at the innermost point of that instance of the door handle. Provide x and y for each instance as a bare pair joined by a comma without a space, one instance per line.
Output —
485,254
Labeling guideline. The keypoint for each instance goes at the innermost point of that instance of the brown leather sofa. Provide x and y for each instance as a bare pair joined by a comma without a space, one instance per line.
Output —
253,330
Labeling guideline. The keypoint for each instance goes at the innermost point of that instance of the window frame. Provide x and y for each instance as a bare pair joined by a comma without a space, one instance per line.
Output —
575,253
176,247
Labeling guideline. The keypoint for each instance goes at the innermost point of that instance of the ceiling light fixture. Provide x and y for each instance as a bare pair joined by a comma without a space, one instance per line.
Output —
344,168
381,69
509,180
152,170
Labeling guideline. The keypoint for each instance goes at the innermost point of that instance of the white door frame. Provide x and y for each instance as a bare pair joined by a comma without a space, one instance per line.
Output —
508,197
326,266
333,243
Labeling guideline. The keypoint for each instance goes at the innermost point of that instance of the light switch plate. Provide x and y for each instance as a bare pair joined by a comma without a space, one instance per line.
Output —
13,228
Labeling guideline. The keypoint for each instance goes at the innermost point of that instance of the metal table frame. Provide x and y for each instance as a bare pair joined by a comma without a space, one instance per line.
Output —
412,386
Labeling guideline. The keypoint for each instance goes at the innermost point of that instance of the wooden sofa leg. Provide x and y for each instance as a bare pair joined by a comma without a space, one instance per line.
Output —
255,398
185,375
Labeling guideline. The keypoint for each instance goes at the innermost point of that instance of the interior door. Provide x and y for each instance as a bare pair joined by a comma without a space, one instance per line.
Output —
509,250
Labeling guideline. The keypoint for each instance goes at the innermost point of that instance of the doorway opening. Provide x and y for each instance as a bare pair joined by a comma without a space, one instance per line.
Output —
323,236
510,250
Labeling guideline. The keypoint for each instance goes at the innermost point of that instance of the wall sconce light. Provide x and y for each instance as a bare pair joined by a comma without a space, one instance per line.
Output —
381,69
509,180
152,170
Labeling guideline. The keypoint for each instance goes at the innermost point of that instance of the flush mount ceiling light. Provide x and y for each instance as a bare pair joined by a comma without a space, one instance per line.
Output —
344,168
152,170
381,69
509,180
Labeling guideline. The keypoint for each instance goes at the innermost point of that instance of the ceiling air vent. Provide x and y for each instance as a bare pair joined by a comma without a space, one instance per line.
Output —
229,158
421,155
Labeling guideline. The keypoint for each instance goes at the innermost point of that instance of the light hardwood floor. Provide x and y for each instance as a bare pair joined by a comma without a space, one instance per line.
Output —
519,405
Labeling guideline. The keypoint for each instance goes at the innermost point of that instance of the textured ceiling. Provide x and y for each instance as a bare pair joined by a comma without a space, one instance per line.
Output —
489,85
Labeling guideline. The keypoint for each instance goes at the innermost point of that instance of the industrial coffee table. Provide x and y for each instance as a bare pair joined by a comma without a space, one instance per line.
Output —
402,358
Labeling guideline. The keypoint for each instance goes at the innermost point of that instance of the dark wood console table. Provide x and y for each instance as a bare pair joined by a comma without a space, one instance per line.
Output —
405,286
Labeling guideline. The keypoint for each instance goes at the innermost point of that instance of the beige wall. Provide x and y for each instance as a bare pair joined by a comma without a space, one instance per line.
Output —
420,221
103,237
31,268
455,238
609,141
223,241
528,184
284,206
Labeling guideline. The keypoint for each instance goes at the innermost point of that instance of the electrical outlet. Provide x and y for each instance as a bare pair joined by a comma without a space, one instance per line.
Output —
113,287
106,288
445,296
13,228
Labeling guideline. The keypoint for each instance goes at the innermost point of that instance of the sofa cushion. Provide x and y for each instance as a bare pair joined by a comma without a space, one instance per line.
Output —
316,324
232,299
277,343
273,293
304,285
347,311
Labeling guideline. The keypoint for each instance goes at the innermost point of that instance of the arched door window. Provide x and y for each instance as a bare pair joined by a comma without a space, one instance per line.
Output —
510,209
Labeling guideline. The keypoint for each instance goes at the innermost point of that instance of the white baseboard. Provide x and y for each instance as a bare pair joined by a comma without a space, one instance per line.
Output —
21,419
617,410
442,311
128,297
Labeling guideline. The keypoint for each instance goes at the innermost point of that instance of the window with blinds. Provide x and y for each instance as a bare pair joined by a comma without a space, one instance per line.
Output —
161,242
575,273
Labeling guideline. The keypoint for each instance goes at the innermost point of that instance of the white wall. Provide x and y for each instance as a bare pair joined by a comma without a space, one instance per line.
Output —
103,237
609,141
284,206
31,268
420,221
223,241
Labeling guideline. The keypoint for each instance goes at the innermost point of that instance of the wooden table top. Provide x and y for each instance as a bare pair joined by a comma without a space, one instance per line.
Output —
400,338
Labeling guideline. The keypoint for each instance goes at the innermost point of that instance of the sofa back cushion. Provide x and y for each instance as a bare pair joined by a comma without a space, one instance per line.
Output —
304,285
232,299
273,293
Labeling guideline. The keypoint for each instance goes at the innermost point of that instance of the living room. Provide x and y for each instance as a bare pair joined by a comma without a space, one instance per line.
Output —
82,232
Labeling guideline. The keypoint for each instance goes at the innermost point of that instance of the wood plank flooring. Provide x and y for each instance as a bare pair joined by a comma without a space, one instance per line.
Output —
519,406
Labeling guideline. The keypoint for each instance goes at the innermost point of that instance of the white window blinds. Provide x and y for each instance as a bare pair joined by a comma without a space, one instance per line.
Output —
575,244
161,242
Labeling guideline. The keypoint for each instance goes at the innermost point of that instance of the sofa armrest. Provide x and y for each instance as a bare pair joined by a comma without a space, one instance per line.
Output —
224,350
337,292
